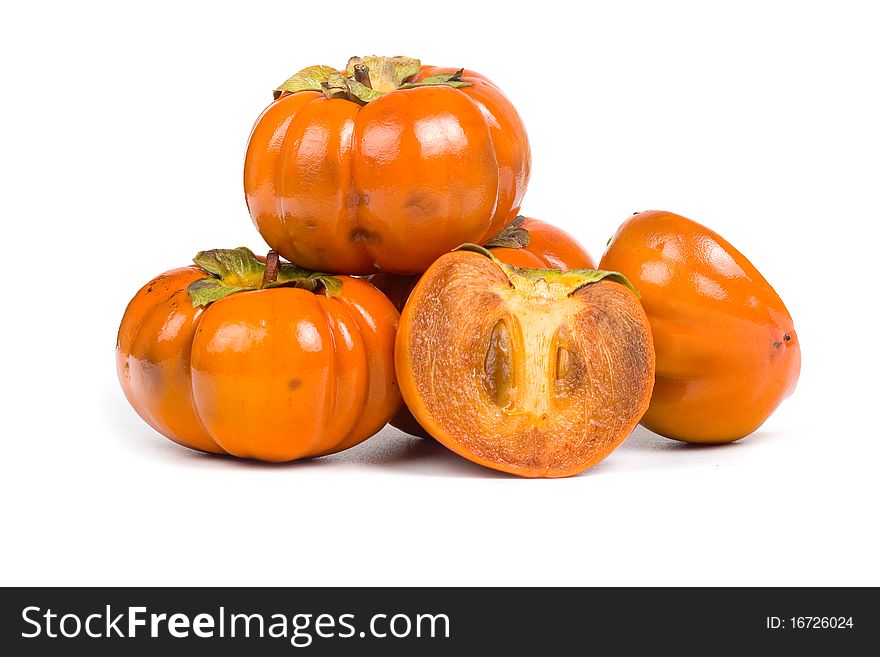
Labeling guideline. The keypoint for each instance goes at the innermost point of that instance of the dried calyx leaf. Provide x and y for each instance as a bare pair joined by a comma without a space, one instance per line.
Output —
385,73
367,78
554,282
339,86
239,270
441,79
308,79
512,236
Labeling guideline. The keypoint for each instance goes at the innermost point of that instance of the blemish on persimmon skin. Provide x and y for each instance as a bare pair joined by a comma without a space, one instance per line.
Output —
293,384
152,284
785,340
364,235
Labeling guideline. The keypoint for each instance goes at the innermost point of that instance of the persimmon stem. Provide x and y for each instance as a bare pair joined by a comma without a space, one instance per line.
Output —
362,75
270,273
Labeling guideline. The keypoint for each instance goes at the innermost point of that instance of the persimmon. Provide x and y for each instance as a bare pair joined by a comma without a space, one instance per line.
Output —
727,351
259,360
525,242
384,166
535,372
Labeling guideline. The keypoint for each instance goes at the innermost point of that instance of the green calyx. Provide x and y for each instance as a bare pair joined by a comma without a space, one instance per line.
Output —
550,283
367,78
239,270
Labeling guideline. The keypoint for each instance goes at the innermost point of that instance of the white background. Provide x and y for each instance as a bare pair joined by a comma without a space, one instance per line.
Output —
123,133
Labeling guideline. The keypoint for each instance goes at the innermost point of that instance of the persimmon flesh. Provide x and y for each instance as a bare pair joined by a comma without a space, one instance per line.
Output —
539,373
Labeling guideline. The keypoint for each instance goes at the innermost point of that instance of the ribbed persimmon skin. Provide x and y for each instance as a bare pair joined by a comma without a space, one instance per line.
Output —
727,351
153,358
388,186
275,375
526,387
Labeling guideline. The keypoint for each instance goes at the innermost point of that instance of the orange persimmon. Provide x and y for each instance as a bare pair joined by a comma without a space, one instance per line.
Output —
727,351
535,372
263,361
384,166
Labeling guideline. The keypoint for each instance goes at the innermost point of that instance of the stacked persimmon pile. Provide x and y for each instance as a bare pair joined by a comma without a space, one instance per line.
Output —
392,190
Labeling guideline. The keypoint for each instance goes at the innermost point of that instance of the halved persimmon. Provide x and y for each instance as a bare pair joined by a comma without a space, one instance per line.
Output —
535,372
524,242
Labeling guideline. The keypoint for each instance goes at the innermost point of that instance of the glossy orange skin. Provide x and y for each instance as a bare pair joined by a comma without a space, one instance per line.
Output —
727,352
389,186
275,375
549,247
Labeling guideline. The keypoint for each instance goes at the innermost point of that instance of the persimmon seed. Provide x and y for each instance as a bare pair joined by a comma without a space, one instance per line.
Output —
498,365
